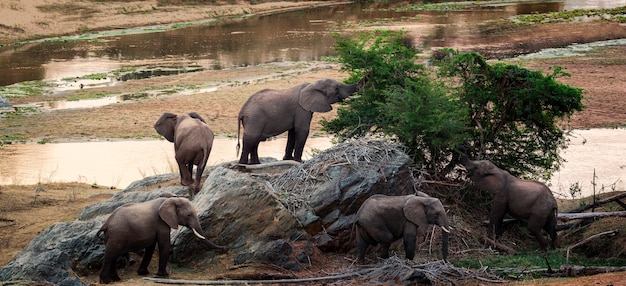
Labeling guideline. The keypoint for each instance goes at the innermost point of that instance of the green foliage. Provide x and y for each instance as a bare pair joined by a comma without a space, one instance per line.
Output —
530,265
398,100
514,111
501,112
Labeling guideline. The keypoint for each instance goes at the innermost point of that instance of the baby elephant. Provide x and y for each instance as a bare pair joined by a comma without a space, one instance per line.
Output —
193,140
525,200
137,226
385,219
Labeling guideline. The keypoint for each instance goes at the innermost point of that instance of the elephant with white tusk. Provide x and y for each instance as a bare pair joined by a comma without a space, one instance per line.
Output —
526,200
385,219
137,226
271,112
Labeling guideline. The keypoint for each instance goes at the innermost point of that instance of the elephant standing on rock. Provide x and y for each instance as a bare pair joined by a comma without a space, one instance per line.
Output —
193,140
526,200
137,226
385,219
271,112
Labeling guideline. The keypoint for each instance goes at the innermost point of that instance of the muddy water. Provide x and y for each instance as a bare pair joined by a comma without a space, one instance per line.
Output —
119,163
116,163
599,151
292,36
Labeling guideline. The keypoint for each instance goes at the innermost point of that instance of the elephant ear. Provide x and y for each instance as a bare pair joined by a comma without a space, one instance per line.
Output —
165,126
167,212
415,211
196,116
314,99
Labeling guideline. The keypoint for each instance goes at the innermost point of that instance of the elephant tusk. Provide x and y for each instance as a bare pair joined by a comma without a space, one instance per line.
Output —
445,229
197,234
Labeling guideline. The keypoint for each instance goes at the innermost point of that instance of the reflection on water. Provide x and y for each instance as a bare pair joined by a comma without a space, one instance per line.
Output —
116,163
122,162
290,36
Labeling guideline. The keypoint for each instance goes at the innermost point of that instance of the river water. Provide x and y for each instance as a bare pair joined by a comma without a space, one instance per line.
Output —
291,36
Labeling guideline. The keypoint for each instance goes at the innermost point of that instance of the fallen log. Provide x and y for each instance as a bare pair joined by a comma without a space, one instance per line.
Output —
577,270
615,198
567,217
571,216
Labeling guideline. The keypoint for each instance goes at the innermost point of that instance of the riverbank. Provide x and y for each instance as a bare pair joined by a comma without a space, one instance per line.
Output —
35,19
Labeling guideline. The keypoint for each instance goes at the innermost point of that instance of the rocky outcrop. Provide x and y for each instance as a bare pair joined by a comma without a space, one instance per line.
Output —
281,219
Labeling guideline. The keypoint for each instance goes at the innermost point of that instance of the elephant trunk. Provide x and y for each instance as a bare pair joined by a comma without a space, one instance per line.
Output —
444,245
208,243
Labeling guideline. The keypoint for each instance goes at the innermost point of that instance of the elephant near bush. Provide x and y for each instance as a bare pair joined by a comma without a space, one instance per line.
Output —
193,140
385,219
271,112
526,200
137,226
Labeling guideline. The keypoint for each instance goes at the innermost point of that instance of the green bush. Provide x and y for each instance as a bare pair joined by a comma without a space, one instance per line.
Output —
501,112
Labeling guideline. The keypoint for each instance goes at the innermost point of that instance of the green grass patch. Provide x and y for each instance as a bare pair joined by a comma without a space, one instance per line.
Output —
27,88
532,264
613,14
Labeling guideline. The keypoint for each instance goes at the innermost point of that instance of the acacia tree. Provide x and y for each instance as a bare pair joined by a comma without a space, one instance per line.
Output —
500,112
514,113
399,100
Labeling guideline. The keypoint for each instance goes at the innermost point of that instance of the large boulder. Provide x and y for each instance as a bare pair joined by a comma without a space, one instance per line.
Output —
281,219
57,254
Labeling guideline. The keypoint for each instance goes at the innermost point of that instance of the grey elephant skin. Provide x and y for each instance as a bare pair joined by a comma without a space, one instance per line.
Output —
385,219
137,226
193,140
271,112
526,200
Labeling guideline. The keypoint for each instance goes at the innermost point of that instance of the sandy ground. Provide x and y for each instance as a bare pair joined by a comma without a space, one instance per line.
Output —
601,74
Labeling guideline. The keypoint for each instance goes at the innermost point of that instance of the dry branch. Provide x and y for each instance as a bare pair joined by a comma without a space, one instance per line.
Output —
247,282
499,246
610,232
615,198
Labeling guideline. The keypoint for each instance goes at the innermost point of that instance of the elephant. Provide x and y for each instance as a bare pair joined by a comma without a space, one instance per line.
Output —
193,140
137,226
526,200
271,112
385,219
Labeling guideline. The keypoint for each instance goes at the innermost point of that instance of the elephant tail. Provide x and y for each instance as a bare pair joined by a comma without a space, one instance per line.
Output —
100,231
239,119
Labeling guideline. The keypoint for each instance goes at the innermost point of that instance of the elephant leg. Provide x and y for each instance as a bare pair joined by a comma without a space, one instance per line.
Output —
164,252
384,249
299,144
145,261
199,172
251,150
535,223
550,228
409,238
185,179
362,245
291,143
495,220
109,273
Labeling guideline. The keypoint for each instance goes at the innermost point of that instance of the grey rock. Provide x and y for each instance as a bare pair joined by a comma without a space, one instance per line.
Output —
280,219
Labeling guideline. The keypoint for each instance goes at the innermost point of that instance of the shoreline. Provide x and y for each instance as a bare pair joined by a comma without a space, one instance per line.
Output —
25,23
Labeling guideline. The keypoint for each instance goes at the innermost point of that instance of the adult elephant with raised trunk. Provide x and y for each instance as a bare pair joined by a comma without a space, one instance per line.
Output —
526,200
137,226
385,219
271,112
